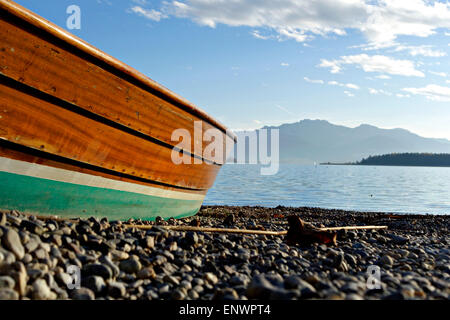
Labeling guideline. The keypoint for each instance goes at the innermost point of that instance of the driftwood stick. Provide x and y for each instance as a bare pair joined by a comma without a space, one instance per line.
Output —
352,228
218,230
206,229
245,231
50,217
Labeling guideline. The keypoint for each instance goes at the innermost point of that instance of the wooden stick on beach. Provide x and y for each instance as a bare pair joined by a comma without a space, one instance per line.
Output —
225,230
246,231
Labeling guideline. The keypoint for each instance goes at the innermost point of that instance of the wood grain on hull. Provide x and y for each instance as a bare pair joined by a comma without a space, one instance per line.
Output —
40,60
38,123
17,152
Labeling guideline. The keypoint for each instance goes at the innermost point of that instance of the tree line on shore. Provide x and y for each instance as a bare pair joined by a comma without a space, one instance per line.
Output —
408,159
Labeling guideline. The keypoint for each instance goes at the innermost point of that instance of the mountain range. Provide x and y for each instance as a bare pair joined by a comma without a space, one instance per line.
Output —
309,141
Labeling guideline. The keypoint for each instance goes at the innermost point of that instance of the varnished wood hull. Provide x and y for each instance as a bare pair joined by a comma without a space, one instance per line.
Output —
83,134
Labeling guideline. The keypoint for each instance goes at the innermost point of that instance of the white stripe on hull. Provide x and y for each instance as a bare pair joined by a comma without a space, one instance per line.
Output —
62,175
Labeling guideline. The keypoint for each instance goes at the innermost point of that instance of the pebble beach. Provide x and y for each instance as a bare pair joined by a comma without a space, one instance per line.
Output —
120,262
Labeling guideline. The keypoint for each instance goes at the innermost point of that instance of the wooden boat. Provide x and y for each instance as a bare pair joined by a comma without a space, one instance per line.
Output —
83,134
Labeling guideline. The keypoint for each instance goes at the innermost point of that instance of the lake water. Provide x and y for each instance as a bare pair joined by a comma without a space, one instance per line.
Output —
363,188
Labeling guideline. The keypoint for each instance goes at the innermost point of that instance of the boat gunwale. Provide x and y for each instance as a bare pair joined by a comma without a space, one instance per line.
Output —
72,40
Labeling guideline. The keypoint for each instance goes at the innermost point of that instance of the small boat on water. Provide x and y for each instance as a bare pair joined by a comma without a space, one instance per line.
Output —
82,134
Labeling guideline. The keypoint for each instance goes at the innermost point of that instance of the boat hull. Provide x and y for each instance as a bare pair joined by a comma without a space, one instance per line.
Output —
82,134
43,190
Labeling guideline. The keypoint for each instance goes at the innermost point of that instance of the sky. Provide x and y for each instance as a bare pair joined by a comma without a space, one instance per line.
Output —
251,63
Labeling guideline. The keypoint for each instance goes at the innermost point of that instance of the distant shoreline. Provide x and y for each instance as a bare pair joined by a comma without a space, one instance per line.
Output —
402,160
383,165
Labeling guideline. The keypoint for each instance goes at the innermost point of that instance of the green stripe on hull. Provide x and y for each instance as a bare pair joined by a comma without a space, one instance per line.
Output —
48,197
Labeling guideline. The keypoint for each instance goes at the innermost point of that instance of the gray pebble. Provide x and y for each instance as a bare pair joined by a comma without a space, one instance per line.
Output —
131,265
386,261
211,278
117,289
11,241
41,290
82,294
95,283
8,294
7,282
96,269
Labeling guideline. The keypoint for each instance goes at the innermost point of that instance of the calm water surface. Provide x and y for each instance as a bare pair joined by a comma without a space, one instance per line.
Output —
365,188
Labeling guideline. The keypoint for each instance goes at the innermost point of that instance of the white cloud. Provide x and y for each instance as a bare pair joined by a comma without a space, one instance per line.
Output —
349,94
423,50
334,65
140,2
258,35
284,64
347,85
313,81
375,63
432,92
352,86
383,76
149,13
400,95
440,74
379,91
381,21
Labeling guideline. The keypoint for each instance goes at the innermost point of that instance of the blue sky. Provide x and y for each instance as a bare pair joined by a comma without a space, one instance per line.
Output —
259,62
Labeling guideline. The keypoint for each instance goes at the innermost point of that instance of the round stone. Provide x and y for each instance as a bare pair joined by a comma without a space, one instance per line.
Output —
131,265
7,282
116,289
8,294
95,283
82,294
41,290
96,269
11,240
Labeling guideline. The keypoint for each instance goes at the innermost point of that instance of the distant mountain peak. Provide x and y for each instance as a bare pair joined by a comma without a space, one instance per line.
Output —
316,140
365,125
